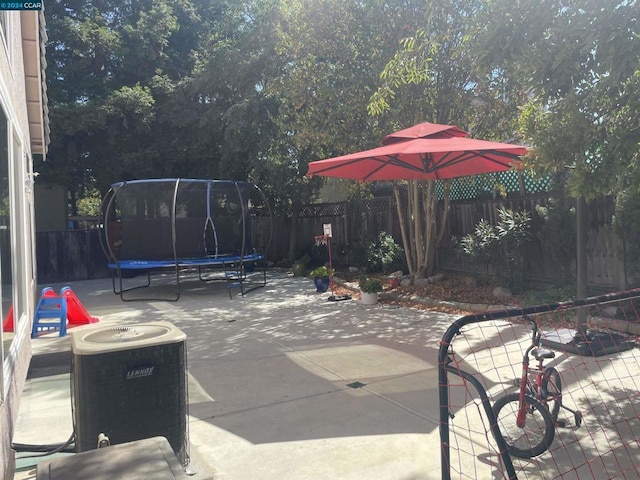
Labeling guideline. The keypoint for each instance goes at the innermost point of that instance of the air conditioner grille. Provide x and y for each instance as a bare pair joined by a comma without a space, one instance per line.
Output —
126,334
101,339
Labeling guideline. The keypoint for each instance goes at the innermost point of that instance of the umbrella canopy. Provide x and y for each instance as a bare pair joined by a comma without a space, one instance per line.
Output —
422,159
424,130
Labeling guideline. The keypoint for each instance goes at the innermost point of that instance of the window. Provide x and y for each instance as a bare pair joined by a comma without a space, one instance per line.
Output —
20,227
4,30
6,269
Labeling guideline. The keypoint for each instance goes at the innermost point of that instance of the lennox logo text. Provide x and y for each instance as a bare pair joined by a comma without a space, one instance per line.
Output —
139,372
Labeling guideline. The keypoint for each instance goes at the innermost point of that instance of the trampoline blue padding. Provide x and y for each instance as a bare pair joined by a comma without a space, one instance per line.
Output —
184,262
173,223
236,270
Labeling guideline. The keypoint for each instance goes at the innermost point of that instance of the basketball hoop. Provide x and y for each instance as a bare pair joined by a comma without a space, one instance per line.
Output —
322,240
326,240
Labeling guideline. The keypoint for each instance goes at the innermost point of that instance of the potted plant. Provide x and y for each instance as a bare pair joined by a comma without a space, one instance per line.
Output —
369,288
321,278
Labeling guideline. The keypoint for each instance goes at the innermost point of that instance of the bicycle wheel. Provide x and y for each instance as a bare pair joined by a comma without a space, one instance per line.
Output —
551,391
536,435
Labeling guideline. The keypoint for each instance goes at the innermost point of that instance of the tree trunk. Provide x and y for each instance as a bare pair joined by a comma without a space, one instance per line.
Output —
430,227
416,211
445,210
581,261
443,221
420,238
408,253
293,235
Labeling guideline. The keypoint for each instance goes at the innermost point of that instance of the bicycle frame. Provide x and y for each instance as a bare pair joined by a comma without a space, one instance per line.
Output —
535,388
524,378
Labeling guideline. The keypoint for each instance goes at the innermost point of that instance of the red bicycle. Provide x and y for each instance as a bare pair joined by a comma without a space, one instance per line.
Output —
527,419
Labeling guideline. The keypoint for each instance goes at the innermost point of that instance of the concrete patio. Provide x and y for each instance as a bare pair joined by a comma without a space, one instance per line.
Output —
272,381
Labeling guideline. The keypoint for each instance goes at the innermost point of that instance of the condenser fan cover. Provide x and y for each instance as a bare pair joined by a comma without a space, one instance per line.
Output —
110,339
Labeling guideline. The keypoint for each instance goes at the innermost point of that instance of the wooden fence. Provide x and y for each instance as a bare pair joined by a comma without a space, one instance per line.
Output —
76,254
70,255
352,222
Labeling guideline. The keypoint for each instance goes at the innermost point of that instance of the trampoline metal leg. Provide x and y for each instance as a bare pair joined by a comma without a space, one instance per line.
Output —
121,291
244,278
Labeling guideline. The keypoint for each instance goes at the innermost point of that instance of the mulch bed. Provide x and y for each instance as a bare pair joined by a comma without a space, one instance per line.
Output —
453,289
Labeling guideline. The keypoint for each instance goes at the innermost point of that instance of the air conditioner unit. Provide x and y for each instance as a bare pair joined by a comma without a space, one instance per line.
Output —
129,383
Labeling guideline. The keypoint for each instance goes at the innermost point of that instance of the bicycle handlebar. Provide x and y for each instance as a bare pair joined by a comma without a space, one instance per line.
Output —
535,340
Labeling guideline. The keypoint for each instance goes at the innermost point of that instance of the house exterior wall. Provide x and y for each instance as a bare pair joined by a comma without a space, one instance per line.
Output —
20,50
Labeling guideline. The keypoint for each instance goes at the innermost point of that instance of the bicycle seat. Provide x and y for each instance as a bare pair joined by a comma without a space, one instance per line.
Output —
540,353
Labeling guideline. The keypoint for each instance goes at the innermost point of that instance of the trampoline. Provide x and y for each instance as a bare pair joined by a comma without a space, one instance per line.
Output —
184,225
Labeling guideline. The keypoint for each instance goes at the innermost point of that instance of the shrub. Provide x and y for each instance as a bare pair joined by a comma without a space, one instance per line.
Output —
303,260
300,265
481,246
502,246
320,272
385,255
370,285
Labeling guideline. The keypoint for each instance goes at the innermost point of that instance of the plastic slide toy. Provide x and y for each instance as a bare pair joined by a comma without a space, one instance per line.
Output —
7,323
76,313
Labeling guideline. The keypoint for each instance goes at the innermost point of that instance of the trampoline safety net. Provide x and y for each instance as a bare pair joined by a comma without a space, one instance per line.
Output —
164,219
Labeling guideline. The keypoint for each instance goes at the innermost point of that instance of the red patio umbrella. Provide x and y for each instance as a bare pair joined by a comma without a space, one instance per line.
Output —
425,151
422,159
425,130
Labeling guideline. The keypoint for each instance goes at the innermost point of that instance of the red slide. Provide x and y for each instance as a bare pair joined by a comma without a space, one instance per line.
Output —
76,313
7,323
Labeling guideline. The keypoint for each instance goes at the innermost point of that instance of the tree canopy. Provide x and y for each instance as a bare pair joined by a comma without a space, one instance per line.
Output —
580,62
116,72
255,90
